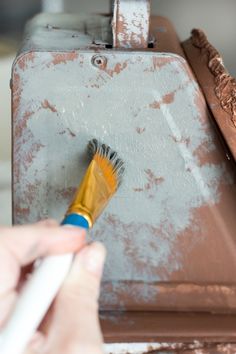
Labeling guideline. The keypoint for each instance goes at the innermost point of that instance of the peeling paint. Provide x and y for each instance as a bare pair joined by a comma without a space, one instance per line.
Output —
58,58
25,59
140,130
131,23
177,179
46,105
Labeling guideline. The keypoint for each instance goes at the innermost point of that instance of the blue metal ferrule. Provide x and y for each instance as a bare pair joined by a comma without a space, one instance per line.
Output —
75,220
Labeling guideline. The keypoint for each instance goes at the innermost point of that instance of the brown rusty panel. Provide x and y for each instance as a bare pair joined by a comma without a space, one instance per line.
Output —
164,36
218,86
172,330
171,296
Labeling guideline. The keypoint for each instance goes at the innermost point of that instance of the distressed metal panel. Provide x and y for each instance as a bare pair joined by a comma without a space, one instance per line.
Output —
171,332
218,86
176,207
65,32
131,23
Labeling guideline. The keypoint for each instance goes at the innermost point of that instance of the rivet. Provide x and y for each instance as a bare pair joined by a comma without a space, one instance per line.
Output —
99,61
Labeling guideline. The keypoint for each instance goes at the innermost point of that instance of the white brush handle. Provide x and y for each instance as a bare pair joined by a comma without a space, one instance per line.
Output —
34,301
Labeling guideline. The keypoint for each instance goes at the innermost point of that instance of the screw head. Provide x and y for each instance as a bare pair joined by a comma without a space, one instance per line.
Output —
99,61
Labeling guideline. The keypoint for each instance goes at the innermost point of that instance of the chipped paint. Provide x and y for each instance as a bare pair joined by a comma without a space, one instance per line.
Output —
46,105
170,197
140,130
152,182
63,58
131,23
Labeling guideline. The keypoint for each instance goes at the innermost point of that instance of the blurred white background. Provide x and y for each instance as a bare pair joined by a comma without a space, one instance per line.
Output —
216,17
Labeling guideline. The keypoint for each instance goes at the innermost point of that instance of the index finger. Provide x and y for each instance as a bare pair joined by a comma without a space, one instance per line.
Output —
27,243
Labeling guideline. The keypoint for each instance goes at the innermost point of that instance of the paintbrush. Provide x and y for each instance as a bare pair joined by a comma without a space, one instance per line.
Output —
99,184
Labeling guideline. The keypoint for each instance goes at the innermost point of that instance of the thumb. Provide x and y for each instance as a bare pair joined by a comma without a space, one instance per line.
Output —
75,325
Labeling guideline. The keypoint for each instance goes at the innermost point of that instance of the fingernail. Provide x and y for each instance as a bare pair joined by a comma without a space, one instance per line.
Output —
92,258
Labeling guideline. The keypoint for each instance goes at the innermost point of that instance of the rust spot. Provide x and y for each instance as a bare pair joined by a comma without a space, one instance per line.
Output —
117,69
158,63
29,156
182,140
31,191
155,105
16,90
25,146
63,58
66,193
22,211
206,155
138,189
152,182
94,86
46,105
101,79
168,98
22,124
112,220
140,130
23,61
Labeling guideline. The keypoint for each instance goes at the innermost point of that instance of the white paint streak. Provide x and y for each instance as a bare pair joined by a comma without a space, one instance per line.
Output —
185,152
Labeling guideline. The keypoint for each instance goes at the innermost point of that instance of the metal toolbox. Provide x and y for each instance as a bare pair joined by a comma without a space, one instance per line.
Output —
170,229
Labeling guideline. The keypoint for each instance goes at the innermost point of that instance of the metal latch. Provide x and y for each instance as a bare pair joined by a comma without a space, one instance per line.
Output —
130,23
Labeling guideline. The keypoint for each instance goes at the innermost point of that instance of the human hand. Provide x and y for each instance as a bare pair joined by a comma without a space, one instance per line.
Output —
72,325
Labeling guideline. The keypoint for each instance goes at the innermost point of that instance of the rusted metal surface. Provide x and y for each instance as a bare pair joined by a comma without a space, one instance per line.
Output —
131,23
218,86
